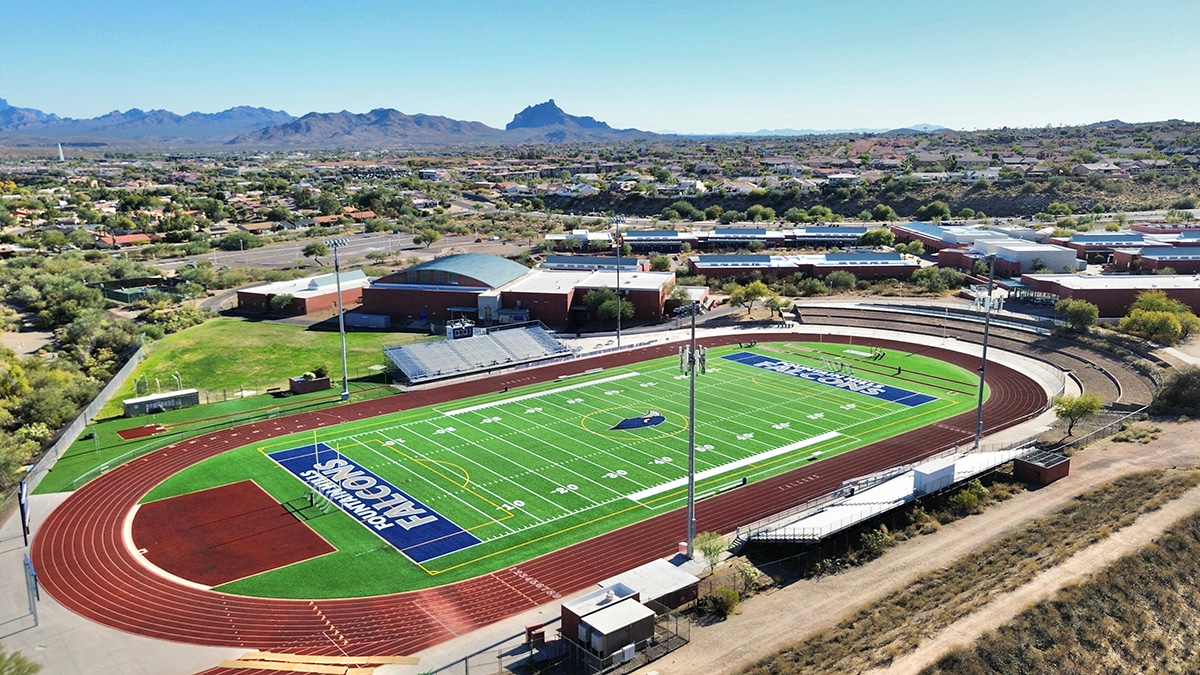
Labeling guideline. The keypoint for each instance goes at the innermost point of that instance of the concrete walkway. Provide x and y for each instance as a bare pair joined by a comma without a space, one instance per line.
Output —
67,644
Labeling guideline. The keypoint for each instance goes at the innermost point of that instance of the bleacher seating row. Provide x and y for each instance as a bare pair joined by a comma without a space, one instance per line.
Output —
489,351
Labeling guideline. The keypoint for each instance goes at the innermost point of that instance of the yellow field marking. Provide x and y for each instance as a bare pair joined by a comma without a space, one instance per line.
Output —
527,543
466,474
623,437
422,462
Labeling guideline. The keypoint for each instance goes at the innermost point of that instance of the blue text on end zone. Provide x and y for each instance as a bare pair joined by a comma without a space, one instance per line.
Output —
857,385
413,528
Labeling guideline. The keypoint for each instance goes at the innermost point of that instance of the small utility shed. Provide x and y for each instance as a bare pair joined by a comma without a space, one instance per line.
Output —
1041,468
575,611
617,628
167,400
658,581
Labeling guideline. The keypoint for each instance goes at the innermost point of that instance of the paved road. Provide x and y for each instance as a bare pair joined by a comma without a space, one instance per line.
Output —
286,254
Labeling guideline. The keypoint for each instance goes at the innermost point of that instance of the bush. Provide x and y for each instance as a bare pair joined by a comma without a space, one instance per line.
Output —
723,601
840,280
810,287
970,499
1181,390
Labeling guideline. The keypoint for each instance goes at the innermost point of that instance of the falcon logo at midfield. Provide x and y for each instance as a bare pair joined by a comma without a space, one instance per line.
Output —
650,419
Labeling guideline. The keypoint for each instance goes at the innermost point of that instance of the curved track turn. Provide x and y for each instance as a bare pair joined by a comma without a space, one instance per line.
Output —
82,560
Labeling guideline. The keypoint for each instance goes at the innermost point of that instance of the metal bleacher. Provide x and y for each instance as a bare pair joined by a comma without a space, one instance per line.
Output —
503,347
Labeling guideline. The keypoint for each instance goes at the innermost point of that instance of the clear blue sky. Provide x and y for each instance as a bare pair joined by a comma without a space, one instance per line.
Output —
690,67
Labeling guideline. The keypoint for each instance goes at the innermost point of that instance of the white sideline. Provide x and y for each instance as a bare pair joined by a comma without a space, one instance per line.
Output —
482,406
725,468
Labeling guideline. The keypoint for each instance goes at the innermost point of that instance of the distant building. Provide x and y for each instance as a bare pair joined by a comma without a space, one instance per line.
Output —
1114,293
309,295
490,289
867,265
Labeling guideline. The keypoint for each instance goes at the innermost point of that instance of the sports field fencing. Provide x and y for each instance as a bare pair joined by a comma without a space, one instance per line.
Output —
558,654
75,429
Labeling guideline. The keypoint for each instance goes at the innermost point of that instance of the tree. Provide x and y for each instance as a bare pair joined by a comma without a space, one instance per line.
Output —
602,304
879,236
710,545
1160,327
281,303
238,241
777,304
1076,408
660,263
1080,313
841,280
935,209
328,204
315,250
749,294
883,212
428,236
794,215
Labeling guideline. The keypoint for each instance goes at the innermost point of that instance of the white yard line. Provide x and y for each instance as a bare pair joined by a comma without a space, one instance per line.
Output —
525,397
725,468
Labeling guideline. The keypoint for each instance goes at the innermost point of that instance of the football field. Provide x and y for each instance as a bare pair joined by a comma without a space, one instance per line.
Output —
432,495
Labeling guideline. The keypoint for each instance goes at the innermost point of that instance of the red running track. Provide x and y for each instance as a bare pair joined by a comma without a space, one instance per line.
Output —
82,561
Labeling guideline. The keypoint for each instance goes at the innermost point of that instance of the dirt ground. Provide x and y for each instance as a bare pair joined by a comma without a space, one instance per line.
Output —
772,621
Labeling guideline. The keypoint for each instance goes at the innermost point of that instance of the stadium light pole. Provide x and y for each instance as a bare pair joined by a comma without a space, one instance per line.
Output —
692,365
987,324
335,244
616,222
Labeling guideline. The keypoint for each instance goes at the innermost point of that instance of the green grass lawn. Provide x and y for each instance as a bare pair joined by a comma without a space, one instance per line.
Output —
88,457
228,354
538,468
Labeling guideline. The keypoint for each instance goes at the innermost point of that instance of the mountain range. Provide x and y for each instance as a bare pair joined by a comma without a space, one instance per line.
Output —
254,128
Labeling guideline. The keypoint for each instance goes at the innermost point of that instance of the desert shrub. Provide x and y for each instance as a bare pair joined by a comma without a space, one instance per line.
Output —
723,601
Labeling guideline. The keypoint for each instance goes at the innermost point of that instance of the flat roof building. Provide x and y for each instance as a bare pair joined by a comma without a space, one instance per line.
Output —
310,295
1114,293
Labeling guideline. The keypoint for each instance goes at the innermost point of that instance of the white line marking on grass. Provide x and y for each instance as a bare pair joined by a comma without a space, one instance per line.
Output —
725,468
525,397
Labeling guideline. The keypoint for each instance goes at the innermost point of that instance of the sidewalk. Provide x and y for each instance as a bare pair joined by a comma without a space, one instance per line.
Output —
67,644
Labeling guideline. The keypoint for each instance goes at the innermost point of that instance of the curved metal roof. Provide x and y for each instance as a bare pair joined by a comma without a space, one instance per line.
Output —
490,269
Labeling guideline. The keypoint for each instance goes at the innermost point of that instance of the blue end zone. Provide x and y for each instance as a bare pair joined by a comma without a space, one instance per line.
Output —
413,528
846,382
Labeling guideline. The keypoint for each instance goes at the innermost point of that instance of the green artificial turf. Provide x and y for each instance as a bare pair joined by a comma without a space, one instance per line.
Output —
542,468
226,356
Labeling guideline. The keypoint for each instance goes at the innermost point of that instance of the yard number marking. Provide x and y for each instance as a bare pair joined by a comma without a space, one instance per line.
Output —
570,487
616,474
663,460
447,430
516,504
530,411
746,436
816,416
781,425
489,420
849,406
